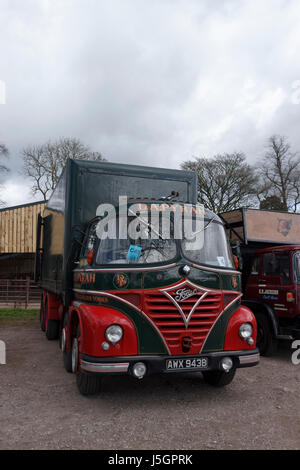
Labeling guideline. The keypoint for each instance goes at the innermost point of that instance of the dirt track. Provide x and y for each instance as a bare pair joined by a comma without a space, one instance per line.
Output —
40,407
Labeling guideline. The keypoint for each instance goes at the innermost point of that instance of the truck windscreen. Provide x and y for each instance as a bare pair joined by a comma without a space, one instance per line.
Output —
155,245
148,245
214,250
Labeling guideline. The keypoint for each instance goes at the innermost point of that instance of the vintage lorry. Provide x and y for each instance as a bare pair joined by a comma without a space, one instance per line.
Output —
144,305
268,246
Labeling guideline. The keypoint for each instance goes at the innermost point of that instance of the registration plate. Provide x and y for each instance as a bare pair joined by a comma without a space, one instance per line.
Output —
199,363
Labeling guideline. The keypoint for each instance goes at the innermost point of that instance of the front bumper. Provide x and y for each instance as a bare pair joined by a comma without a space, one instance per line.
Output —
157,364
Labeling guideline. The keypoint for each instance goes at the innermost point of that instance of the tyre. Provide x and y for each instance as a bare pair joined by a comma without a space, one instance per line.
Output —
67,353
265,342
42,316
87,384
51,326
219,378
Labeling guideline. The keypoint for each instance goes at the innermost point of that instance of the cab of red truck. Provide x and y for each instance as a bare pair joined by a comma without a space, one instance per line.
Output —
270,263
274,279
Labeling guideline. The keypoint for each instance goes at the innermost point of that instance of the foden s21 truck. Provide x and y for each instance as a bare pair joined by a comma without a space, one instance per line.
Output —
144,301
268,245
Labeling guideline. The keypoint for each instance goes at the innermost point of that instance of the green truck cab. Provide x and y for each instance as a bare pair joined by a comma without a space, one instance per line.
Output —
146,302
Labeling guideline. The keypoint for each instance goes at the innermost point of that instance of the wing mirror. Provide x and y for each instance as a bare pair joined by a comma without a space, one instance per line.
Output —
90,257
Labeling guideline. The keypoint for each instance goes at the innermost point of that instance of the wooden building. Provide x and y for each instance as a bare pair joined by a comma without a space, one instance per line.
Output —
18,239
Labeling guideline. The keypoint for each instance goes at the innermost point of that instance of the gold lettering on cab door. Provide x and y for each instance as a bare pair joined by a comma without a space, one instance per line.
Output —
85,278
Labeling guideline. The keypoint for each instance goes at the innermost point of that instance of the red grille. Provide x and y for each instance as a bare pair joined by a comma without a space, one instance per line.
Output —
168,318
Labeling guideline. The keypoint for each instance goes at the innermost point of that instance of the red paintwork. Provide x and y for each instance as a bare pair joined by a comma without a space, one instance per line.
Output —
201,321
258,284
93,322
233,342
54,306
170,323
95,319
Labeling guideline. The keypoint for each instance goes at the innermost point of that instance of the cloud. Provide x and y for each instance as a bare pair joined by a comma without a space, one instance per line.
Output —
150,82
16,191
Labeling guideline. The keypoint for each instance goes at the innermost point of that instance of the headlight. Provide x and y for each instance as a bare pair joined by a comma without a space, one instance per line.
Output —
114,333
245,331
226,363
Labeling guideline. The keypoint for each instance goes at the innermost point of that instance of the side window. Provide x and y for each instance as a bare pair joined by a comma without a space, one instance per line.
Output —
270,264
255,265
277,265
90,240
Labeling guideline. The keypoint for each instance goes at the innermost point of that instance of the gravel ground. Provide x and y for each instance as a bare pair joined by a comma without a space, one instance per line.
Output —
40,407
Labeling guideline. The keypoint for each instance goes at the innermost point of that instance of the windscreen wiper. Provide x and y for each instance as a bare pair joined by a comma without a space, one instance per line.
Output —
147,224
205,227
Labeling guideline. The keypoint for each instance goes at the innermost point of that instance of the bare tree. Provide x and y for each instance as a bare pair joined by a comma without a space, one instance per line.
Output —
44,163
279,174
225,182
3,168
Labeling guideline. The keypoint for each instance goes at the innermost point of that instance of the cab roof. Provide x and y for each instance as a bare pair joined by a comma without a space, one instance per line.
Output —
208,213
278,248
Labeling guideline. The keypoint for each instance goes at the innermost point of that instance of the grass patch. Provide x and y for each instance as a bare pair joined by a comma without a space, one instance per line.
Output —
18,313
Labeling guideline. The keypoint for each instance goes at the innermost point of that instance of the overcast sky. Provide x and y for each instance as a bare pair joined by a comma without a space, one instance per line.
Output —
152,82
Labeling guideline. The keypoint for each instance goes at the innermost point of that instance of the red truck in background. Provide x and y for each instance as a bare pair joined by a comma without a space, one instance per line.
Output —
267,244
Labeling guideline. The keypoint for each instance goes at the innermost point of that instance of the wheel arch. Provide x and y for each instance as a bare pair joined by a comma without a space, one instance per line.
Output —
74,319
265,309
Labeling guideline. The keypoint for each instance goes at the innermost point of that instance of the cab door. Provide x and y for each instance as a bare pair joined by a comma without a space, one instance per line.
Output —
253,281
276,281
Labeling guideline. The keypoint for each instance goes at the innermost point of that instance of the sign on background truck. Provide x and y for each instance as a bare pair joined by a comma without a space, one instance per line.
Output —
268,244
142,306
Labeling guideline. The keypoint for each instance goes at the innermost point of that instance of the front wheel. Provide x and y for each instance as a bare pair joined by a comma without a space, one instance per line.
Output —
67,353
42,315
51,326
87,384
265,342
219,378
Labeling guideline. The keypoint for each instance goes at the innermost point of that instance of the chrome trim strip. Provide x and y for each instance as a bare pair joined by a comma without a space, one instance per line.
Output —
223,271
183,282
152,268
116,269
197,286
104,367
224,310
131,305
249,359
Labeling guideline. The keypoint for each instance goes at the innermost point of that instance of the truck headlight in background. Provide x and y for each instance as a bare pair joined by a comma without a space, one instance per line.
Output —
114,333
245,331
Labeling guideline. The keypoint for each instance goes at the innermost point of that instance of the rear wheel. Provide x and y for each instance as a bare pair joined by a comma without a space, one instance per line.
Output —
219,378
51,326
42,315
265,342
87,384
